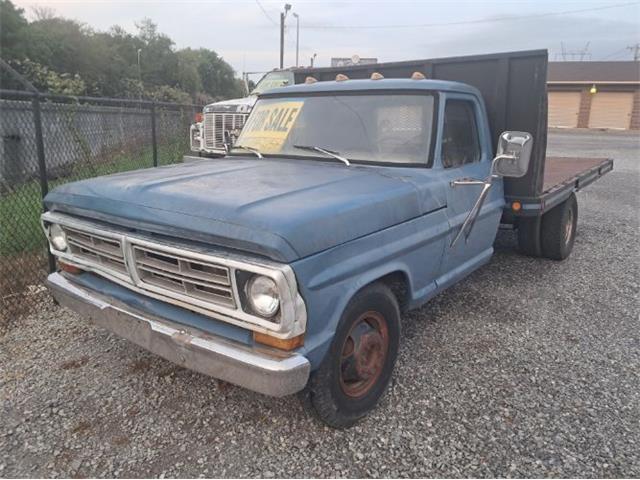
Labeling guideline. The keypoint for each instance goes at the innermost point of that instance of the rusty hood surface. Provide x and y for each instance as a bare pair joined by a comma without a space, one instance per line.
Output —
283,209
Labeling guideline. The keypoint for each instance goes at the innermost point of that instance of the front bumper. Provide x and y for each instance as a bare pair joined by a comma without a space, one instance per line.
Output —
262,370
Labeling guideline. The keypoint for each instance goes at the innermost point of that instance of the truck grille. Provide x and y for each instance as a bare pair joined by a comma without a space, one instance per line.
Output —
215,124
104,252
177,273
168,272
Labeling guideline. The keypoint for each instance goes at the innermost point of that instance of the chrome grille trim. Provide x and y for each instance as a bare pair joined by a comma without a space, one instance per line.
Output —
181,274
106,252
215,124
291,319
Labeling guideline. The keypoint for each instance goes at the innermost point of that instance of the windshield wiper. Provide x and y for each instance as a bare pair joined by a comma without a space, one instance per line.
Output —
255,151
330,153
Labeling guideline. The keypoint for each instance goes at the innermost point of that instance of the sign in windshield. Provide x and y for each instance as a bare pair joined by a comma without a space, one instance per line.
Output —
376,128
269,125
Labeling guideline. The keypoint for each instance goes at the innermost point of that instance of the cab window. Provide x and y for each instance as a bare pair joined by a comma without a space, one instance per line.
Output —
460,143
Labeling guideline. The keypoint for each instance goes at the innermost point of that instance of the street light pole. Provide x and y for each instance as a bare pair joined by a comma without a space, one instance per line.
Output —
297,37
140,74
283,15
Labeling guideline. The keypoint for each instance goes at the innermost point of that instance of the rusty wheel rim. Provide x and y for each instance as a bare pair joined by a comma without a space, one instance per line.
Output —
363,355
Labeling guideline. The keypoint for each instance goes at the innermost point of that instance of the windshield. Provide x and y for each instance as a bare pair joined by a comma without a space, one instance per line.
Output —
374,128
273,80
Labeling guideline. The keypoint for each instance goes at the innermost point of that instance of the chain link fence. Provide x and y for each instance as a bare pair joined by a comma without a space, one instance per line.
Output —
48,140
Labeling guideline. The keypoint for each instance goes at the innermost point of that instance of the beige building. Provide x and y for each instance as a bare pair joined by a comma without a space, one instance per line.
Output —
603,95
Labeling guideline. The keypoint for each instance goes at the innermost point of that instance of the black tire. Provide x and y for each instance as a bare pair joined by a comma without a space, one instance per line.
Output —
335,397
559,229
529,236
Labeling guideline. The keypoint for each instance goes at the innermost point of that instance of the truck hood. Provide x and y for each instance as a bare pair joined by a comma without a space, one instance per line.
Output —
232,104
279,208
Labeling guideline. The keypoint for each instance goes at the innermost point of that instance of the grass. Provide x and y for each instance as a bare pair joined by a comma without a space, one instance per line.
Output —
21,208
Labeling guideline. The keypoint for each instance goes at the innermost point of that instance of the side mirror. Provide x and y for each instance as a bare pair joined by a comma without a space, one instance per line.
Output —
514,153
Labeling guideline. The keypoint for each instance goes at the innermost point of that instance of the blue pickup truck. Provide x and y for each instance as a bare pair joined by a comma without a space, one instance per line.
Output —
284,267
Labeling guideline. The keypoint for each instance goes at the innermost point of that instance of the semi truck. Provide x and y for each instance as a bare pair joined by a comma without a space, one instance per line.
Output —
219,124
287,265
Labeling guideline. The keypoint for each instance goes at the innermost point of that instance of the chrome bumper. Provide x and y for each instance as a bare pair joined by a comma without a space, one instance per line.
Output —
262,370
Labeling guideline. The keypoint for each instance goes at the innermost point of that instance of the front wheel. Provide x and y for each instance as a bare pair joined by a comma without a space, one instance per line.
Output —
358,367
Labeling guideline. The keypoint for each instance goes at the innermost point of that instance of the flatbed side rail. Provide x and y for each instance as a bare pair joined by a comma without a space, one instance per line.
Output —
535,206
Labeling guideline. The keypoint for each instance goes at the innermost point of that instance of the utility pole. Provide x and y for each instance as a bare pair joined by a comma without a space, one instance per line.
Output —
636,51
297,37
573,55
283,15
585,51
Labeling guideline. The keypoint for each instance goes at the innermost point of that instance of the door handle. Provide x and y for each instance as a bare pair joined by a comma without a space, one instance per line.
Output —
465,181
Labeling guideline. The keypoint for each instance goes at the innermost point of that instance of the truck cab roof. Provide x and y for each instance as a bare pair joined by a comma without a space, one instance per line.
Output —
368,85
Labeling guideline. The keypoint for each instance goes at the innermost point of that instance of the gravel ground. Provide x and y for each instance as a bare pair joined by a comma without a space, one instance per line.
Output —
528,368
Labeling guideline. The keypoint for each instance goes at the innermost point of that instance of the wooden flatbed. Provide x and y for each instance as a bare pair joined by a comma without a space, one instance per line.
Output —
562,176
560,171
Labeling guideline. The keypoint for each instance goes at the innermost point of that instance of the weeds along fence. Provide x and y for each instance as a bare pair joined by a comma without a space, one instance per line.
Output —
48,140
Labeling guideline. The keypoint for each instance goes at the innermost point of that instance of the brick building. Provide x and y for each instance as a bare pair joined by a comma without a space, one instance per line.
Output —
594,95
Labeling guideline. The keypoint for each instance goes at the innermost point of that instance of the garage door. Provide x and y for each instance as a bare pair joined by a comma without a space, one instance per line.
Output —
563,109
611,110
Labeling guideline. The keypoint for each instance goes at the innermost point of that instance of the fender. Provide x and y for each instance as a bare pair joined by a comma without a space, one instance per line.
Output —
328,280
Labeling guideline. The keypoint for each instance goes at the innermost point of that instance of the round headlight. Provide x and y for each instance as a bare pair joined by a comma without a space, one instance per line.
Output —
262,293
58,237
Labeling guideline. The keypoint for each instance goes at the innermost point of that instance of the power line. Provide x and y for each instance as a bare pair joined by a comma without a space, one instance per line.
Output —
614,54
266,14
468,22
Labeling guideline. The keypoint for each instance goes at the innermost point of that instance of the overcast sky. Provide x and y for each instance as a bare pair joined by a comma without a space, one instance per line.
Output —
246,32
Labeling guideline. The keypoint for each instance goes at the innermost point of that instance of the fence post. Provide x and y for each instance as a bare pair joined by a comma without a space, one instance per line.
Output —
154,139
42,165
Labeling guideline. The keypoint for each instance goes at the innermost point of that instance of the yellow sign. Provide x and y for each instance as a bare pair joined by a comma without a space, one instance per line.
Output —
269,125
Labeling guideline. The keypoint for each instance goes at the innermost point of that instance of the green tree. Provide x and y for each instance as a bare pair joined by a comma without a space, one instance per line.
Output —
188,75
158,61
65,55
217,76
13,28
47,80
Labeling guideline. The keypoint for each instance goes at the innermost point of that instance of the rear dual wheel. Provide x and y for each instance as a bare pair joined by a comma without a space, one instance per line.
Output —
551,236
357,369
558,232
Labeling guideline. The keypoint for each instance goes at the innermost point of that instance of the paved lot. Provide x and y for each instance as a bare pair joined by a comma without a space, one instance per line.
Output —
528,368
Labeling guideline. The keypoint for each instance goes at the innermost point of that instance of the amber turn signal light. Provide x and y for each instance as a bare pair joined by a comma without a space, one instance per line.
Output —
65,267
198,117
516,206
282,344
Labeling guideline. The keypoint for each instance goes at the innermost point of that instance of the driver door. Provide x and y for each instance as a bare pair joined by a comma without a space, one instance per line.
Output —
464,151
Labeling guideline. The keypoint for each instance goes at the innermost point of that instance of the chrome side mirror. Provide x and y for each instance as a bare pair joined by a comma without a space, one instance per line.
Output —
513,155
512,160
